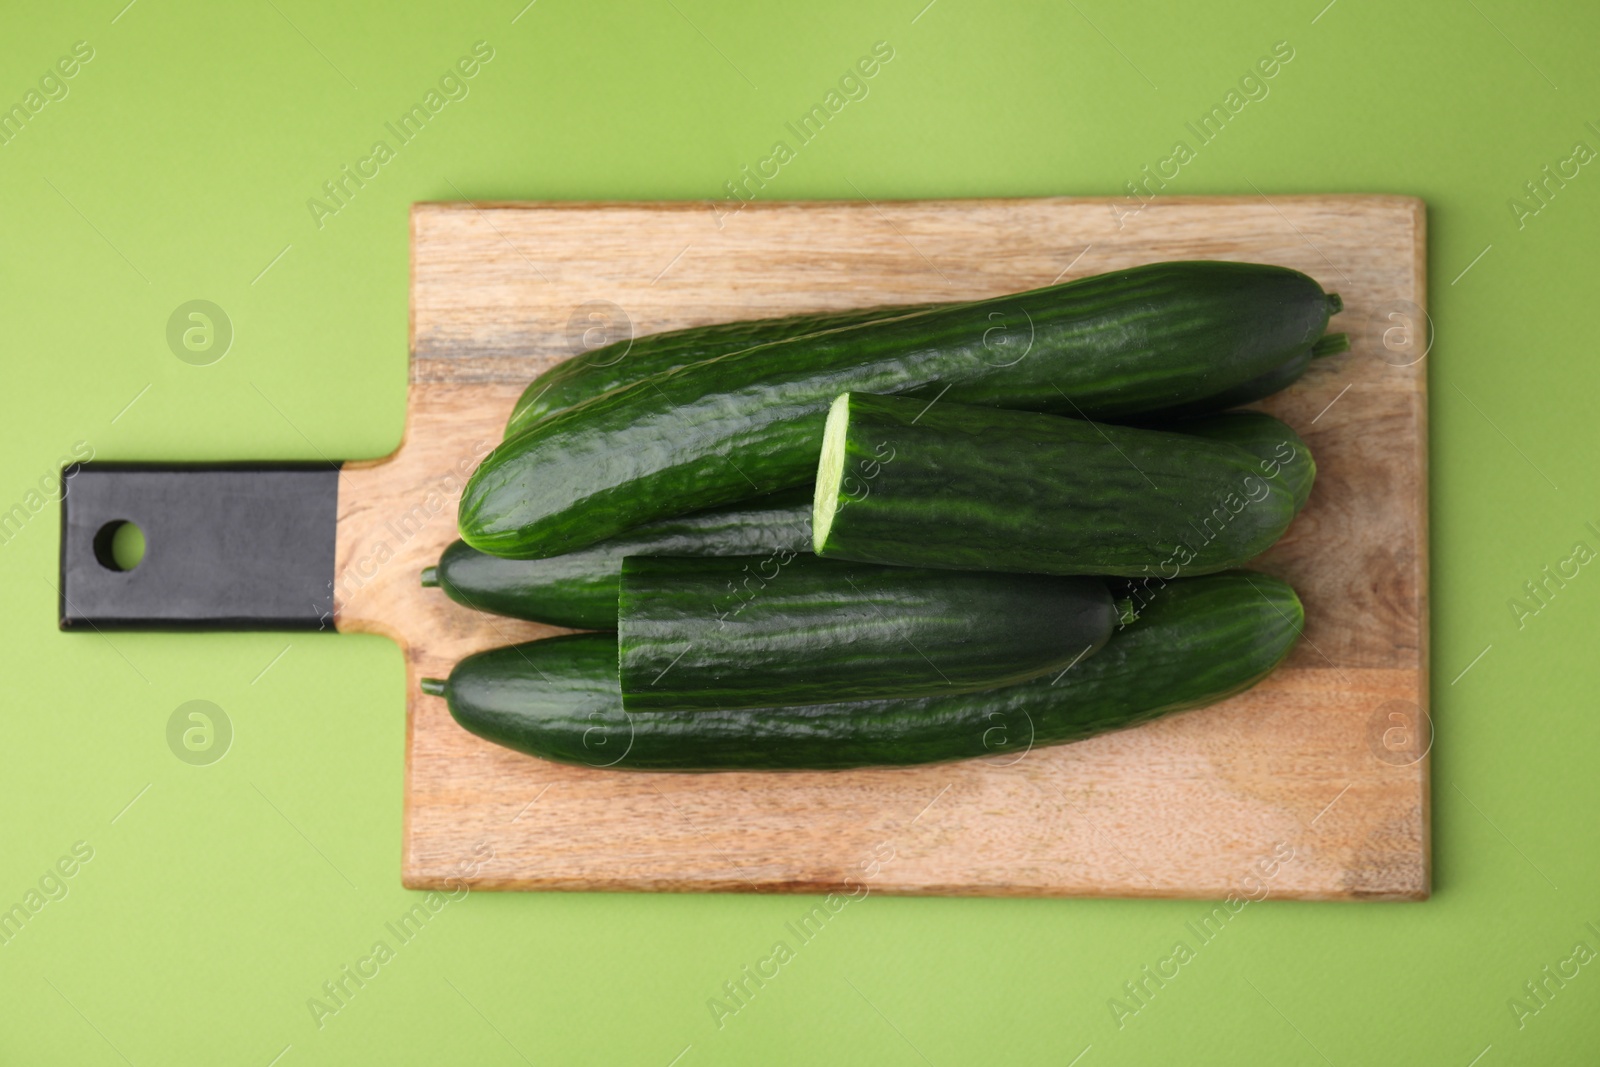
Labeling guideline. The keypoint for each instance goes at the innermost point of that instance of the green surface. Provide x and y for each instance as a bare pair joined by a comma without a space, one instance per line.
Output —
178,167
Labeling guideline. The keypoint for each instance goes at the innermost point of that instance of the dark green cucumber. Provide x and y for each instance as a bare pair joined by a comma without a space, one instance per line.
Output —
1280,453
749,422
751,633
910,484
1197,641
579,589
600,370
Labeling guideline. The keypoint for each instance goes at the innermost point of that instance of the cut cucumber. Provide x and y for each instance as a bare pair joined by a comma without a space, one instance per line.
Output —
1197,641
913,484
793,629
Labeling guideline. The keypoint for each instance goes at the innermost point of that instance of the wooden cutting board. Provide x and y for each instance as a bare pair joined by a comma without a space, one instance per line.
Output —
1312,785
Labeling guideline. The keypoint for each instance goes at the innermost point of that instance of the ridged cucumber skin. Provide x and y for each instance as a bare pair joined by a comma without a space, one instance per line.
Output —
968,488
1199,641
579,589
713,432
600,370
1257,388
1280,452
790,630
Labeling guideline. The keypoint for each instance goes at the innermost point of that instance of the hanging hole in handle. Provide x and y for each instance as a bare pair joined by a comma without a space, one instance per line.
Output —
119,545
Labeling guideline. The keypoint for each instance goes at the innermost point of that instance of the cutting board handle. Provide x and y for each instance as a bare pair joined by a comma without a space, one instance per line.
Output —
234,546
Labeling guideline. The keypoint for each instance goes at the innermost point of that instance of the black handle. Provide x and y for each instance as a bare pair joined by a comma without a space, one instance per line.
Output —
227,546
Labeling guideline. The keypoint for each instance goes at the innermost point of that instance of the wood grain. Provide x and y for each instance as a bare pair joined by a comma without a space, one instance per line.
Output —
1325,759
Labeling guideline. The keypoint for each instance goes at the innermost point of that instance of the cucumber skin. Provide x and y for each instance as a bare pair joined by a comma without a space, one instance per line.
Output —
1258,388
969,488
600,370
812,631
750,422
1280,452
579,589
1199,641
1261,386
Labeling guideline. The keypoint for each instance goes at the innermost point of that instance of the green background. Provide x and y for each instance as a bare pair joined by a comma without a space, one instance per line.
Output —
215,905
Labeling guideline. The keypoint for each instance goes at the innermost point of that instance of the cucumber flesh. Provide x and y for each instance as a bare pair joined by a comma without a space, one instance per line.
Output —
830,469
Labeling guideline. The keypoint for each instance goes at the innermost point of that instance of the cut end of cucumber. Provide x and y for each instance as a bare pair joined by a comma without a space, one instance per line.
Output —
830,471
1331,345
1335,304
430,577
434,687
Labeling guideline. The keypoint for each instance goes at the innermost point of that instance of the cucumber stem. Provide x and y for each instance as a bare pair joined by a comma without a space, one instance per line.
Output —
434,687
1331,345
1335,304
430,577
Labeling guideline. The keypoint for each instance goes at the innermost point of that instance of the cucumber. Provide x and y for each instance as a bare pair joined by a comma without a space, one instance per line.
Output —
946,485
793,629
750,422
1279,451
1199,640
603,369
1261,386
579,589
600,370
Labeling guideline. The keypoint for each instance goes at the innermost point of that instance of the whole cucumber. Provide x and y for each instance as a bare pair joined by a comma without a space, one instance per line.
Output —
793,629
910,484
1198,641
750,422
600,370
